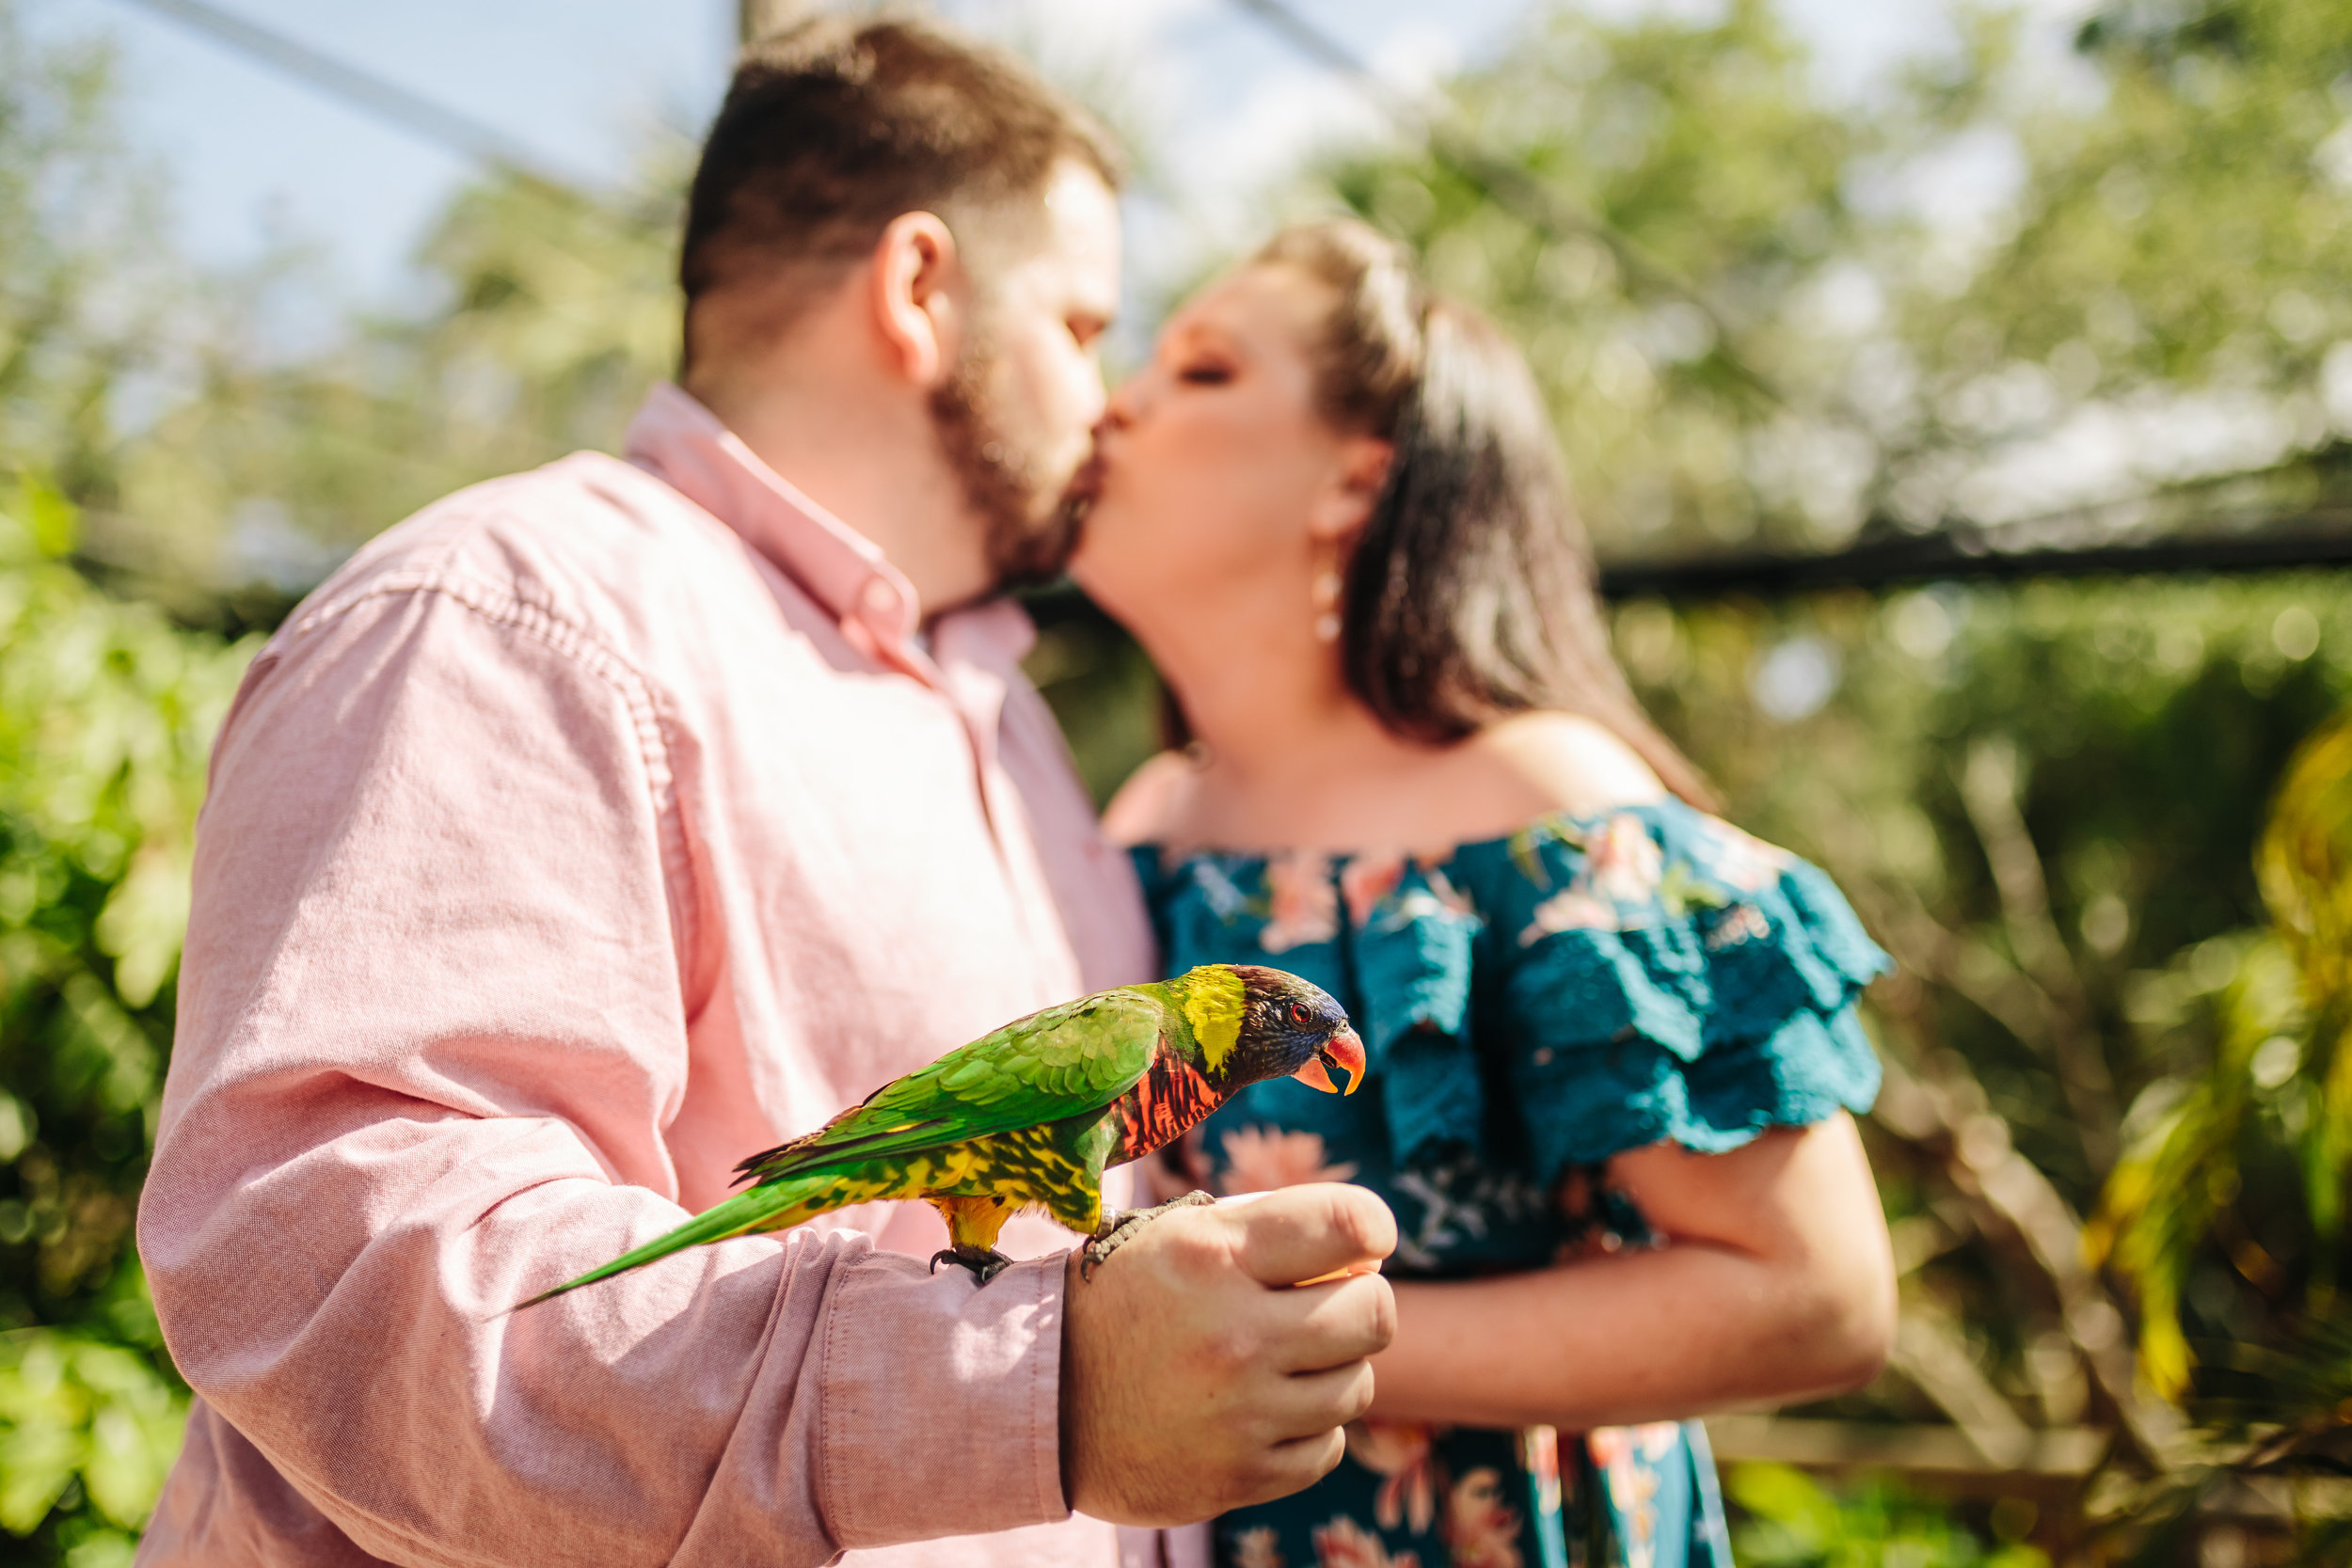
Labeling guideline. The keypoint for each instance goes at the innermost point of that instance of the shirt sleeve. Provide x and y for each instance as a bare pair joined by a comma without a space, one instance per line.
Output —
434,1018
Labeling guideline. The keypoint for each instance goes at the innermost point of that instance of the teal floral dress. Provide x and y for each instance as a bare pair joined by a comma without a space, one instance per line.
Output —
1529,1006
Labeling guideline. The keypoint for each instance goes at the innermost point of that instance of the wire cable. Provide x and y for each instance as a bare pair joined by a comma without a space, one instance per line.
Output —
387,100
1504,183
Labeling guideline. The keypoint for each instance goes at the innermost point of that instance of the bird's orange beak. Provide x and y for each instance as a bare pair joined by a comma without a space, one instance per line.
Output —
1343,1049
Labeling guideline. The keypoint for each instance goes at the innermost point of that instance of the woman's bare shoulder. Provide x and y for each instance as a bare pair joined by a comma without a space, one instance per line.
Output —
1494,782
1152,806
1562,762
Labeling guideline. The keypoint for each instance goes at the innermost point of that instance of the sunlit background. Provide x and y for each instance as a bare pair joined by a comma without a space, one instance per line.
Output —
1958,397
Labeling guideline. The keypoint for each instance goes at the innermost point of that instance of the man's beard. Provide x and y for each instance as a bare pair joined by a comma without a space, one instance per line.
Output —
1032,522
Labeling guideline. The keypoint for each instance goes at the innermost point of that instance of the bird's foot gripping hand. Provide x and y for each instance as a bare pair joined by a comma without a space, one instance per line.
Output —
1117,1230
986,1263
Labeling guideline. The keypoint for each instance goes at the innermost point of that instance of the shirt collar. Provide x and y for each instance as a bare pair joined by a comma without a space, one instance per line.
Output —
682,443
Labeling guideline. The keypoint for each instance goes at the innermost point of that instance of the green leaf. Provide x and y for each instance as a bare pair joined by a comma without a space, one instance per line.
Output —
74,1408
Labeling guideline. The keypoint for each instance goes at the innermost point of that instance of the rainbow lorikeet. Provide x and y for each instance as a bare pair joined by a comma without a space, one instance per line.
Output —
1030,1116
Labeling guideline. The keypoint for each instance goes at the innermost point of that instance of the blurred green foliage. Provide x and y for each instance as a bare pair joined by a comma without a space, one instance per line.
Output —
2242,1158
86,1422
1992,286
105,713
2047,803
219,473
1706,150
554,314
1793,1522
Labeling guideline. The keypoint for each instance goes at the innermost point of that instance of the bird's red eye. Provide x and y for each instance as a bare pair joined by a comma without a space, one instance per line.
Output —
1299,1012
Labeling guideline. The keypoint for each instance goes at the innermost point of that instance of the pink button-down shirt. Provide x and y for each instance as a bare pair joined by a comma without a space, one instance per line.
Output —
589,831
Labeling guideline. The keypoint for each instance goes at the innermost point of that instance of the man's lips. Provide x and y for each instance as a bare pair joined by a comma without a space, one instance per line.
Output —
1085,486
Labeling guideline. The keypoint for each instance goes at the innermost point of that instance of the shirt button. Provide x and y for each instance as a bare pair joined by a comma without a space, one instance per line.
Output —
880,598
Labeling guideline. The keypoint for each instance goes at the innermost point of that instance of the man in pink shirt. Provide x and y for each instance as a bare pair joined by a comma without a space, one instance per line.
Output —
602,825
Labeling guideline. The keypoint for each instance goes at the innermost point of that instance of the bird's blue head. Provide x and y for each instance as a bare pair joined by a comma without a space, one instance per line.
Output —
1293,1029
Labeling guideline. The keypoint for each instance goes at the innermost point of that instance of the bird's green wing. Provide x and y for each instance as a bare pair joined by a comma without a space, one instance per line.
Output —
1066,1060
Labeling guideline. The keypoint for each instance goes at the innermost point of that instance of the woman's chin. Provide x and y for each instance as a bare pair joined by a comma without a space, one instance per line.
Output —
1124,567
1090,561
1105,580
1100,586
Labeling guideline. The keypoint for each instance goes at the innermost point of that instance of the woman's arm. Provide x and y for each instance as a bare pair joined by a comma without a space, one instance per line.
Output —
1775,1283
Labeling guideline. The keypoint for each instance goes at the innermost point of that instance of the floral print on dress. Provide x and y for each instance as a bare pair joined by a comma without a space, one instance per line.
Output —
1480,1529
1739,923
1403,1455
1259,1159
1365,883
1629,1460
1626,880
1395,893
1303,894
1211,878
1438,896
1456,1199
1345,1543
1539,1456
1259,1547
1302,906
1740,861
1622,861
1618,883
1569,909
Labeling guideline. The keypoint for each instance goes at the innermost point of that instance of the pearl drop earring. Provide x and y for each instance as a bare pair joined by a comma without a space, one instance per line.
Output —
1326,594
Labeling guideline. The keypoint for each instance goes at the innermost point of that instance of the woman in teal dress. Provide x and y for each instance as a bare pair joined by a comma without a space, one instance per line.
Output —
1613,1040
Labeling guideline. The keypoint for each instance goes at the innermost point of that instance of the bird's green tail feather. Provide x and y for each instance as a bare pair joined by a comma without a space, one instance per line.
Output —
765,1207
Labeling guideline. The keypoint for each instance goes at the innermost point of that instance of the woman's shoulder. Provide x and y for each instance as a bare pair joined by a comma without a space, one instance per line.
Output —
1487,786
1528,768
1551,764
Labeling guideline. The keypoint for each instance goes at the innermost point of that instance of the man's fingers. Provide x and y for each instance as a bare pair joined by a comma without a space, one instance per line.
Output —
1311,1403
1303,1233
1331,1324
1293,1466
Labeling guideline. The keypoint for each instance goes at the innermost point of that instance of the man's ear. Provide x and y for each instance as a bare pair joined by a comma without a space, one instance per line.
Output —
918,288
1344,503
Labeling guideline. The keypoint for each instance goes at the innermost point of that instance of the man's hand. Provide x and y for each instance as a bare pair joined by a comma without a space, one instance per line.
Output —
1196,1378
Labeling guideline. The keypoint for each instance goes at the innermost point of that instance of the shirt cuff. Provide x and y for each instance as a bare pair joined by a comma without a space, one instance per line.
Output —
942,1402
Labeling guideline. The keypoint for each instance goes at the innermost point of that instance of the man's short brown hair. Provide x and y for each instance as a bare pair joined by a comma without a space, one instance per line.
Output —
833,128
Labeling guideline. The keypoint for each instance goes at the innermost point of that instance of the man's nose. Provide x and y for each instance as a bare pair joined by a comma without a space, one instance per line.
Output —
1093,395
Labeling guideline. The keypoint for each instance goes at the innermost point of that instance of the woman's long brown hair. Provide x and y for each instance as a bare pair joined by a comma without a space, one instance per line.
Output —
1471,594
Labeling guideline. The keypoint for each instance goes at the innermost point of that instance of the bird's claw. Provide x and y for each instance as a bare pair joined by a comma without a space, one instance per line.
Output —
984,1262
1117,1230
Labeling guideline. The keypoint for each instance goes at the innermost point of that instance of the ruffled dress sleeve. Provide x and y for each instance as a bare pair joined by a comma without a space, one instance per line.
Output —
1664,976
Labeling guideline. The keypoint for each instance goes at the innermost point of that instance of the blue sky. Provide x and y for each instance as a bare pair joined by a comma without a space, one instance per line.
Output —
257,161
